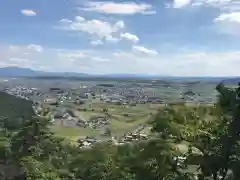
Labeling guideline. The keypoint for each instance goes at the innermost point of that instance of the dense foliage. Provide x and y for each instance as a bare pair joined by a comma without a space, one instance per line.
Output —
14,110
207,136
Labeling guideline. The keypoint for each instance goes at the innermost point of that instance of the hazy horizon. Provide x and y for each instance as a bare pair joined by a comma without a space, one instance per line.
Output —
110,74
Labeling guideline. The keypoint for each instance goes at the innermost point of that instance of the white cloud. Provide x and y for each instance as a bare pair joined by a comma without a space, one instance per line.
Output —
98,61
208,63
71,55
127,8
13,48
97,42
20,55
180,3
94,27
28,12
228,23
183,64
27,49
231,6
103,30
66,21
221,4
19,60
144,50
16,56
80,18
131,37
214,3
231,17
35,47
119,25
112,39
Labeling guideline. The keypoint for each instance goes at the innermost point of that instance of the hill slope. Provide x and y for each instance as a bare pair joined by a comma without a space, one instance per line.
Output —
15,71
14,109
232,81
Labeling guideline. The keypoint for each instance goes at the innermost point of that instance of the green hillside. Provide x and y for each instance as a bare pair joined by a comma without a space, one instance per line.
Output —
14,109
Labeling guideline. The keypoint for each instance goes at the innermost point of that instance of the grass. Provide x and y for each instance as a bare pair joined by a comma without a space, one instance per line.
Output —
73,134
88,114
121,127
146,130
123,113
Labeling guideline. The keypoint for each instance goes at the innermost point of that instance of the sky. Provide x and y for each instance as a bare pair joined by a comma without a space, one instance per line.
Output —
163,37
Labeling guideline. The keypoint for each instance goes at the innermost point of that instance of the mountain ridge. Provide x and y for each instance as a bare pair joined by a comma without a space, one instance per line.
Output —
27,72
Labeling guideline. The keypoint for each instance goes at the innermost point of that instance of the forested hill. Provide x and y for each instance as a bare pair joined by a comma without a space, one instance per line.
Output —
15,108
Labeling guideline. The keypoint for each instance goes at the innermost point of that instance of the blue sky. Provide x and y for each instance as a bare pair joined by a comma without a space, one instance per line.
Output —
166,37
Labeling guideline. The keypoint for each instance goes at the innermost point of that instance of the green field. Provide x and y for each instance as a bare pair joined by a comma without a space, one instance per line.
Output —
73,134
123,119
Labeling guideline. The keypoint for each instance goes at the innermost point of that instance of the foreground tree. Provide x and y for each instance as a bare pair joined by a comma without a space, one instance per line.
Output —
220,147
38,153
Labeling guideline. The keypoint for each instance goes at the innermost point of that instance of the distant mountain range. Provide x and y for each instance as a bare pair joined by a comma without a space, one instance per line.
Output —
26,72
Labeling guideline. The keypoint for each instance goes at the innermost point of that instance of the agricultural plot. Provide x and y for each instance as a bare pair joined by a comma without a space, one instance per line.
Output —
123,119
73,134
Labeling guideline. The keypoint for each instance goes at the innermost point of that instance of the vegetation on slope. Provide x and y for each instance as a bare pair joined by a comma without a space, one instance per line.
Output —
14,110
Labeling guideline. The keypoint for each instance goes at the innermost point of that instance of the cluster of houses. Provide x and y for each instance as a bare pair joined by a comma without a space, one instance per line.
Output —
135,135
129,95
65,119
98,122
88,142
22,92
